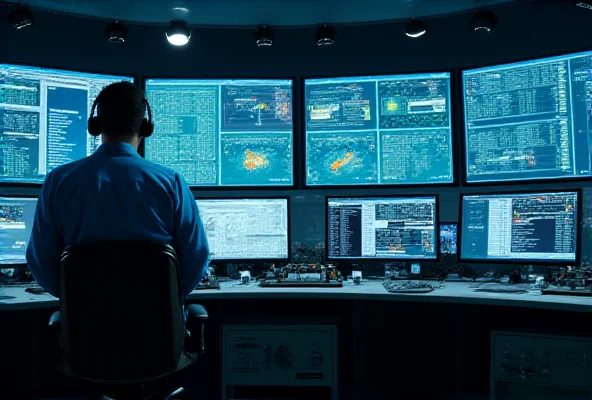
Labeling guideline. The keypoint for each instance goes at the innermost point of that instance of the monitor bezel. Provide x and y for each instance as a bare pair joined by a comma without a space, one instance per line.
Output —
515,261
136,81
295,128
463,122
17,196
385,259
440,253
454,125
256,260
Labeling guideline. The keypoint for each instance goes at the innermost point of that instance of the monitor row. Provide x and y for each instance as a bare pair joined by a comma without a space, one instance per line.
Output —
541,227
522,121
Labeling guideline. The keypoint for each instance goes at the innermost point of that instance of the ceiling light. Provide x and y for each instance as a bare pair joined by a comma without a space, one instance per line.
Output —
483,21
325,35
584,4
178,34
415,28
264,36
21,17
116,32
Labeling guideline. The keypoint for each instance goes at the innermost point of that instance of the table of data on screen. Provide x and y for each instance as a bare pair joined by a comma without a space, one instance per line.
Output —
529,120
378,130
16,222
43,119
223,133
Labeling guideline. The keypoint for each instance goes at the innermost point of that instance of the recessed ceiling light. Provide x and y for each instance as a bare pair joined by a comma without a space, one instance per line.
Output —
182,9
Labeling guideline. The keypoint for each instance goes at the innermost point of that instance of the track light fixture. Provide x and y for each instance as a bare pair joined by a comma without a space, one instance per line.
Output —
415,28
264,36
21,17
116,32
483,21
178,33
325,35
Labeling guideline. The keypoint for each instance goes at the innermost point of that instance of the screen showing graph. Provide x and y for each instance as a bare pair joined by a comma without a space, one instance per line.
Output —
43,118
395,228
246,229
520,227
16,222
529,120
223,132
379,130
448,238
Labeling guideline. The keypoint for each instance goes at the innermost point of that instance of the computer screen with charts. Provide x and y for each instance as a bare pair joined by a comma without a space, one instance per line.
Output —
223,132
379,130
246,229
43,118
448,238
387,228
529,120
521,227
16,221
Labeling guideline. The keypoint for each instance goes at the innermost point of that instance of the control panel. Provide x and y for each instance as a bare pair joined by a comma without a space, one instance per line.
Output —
279,355
554,361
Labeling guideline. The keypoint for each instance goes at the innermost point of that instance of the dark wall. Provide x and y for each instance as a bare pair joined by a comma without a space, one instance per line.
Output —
525,30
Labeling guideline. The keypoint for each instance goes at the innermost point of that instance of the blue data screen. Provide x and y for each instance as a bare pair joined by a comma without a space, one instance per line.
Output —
448,238
43,118
379,130
382,228
529,120
223,132
520,227
16,222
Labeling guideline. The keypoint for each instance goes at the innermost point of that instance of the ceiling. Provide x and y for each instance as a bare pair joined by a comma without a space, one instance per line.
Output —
256,12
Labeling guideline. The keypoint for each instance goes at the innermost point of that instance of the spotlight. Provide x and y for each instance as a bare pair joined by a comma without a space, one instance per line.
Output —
325,35
264,36
415,28
483,21
178,34
116,32
21,17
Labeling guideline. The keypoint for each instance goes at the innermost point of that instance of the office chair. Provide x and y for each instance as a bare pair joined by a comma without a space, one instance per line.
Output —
121,326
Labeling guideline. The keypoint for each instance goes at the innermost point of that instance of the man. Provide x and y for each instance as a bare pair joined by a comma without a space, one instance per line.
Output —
115,194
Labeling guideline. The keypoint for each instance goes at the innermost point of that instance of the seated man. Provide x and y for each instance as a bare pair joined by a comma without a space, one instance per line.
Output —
115,194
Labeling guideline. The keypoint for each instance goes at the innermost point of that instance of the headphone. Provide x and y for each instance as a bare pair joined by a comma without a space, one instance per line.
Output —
95,127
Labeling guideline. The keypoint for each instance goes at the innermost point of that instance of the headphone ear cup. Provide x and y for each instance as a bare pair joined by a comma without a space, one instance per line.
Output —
146,128
95,128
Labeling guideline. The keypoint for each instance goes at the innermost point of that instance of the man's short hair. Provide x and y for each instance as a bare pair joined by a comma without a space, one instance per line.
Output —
121,108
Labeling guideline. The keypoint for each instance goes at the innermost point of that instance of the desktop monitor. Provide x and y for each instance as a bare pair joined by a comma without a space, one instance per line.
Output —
43,119
382,228
537,227
246,229
222,133
378,130
529,120
16,221
448,238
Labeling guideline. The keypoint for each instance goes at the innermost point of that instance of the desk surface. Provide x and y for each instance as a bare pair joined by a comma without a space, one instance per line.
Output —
452,292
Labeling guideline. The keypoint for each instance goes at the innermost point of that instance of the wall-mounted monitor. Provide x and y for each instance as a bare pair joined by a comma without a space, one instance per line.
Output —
529,120
382,228
43,119
16,221
379,130
536,227
245,229
223,132
448,238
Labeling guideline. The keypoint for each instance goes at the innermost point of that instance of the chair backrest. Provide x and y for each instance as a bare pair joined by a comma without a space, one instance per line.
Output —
121,310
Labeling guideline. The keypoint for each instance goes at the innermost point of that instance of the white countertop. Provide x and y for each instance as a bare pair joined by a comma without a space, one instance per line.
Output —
452,292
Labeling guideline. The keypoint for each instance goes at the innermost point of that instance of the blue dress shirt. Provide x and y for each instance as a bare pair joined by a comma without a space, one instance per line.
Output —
115,194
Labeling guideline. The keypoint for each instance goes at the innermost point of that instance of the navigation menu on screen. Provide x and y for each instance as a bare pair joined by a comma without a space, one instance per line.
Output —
382,228
16,222
379,130
243,229
529,120
516,227
223,132
43,118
